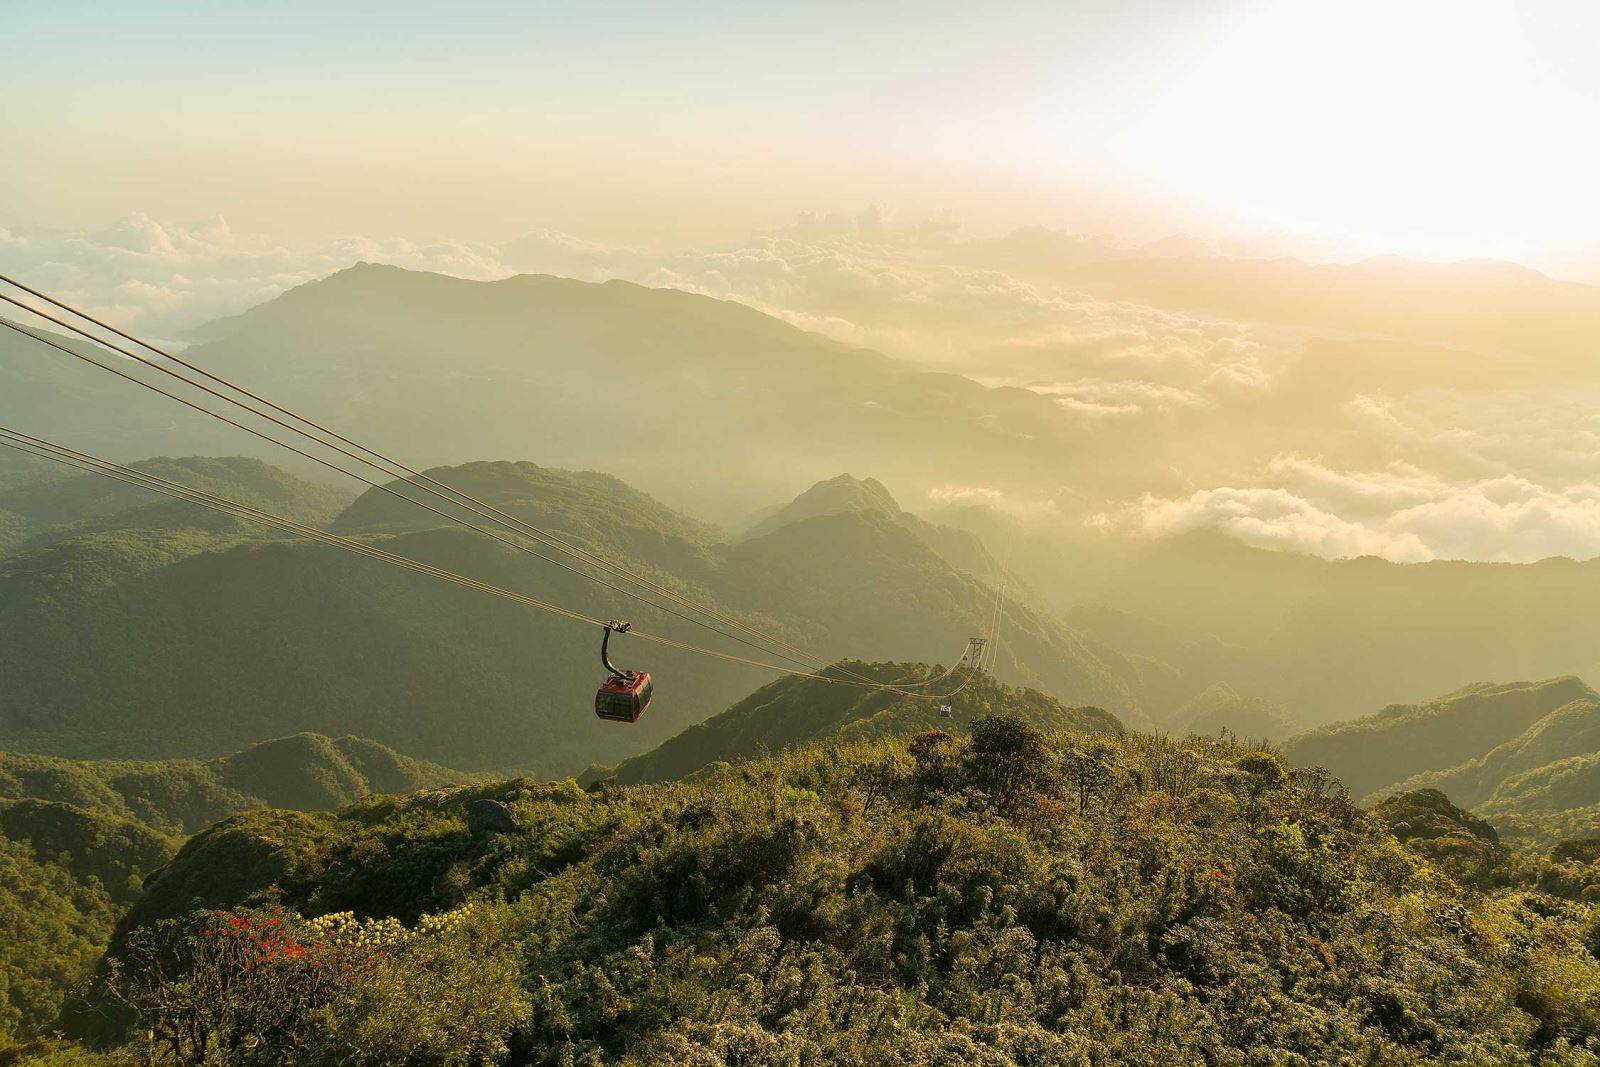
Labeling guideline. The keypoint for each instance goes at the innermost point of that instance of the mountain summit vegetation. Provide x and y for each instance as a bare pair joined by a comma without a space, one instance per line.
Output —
1012,897
797,711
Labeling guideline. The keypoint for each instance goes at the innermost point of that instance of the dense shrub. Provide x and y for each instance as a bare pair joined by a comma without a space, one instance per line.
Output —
1015,898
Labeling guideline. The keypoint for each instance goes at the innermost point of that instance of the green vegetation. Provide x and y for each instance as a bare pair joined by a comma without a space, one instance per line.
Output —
1016,897
1466,847
819,874
1404,740
798,711
53,927
1572,730
536,363
1523,755
79,838
306,772
50,509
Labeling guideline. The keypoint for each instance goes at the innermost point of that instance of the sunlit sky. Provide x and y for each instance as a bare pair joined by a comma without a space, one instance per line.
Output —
1433,128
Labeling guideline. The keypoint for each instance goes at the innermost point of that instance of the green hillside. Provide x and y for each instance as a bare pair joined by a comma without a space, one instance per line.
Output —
1455,840
307,772
1572,730
79,838
841,494
310,772
180,643
443,370
61,507
69,873
55,928
1404,740
798,711
1559,785
1525,755
1015,898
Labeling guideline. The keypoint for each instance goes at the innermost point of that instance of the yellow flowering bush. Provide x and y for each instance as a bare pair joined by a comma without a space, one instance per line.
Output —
342,929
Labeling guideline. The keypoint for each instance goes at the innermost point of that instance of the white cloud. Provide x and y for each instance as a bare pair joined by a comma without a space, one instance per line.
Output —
1401,512
1271,518
1546,433
1509,520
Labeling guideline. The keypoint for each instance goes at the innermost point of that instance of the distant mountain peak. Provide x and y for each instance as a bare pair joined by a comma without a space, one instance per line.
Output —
842,494
847,489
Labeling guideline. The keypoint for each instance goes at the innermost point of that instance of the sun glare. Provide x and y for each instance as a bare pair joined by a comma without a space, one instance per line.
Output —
1431,127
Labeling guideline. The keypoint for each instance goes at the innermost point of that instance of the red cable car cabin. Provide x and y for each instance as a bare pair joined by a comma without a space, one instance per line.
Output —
624,695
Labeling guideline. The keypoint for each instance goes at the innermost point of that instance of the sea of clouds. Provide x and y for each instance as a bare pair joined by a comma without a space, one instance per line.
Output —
1446,474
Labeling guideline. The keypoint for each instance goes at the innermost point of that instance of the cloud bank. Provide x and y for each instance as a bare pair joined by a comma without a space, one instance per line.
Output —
1401,513
1183,406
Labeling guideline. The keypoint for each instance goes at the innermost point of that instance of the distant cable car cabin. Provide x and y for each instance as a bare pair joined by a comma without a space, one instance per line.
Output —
624,695
946,711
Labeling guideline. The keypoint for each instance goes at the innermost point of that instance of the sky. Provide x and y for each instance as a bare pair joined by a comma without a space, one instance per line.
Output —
1431,128
916,178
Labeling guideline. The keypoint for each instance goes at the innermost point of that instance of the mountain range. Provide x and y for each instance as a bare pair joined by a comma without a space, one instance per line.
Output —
650,384
193,641
1525,755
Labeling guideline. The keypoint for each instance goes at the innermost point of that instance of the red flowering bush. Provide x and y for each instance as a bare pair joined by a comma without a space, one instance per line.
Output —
245,987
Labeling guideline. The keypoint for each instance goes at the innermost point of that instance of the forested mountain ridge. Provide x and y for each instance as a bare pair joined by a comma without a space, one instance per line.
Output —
54,504
1525,755
1015,898
799,711
307,772
1572,730
651,384
600,511
301,636
1402,740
